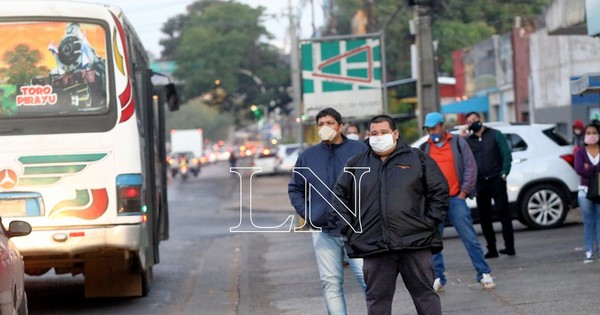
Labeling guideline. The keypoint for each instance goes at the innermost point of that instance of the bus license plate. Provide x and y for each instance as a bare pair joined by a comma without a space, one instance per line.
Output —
13,208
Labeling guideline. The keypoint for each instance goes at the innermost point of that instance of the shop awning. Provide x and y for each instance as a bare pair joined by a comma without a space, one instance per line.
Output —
588,83
480,104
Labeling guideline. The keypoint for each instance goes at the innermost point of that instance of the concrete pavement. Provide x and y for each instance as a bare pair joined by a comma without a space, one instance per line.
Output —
547,276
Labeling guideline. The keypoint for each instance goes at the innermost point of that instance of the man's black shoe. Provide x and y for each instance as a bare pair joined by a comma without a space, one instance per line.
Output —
506,251
493,254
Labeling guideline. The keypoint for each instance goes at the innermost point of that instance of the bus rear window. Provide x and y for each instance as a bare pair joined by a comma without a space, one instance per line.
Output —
52,69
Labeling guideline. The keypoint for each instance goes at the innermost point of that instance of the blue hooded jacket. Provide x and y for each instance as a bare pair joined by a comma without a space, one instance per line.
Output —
322,165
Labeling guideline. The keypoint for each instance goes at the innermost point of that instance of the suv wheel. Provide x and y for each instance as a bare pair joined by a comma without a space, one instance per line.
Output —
543,206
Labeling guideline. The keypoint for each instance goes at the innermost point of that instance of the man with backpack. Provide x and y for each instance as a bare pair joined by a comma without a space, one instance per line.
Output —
455,159
392,198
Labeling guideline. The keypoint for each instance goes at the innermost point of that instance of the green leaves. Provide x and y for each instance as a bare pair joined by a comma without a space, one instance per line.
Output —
215,42
196,114
224,41
456,24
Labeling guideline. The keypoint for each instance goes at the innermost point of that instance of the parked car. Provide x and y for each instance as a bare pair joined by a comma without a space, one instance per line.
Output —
288,154
542,184
13,299
266,159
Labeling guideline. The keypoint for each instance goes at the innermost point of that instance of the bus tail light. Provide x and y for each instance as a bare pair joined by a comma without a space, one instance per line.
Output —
129,199
129,194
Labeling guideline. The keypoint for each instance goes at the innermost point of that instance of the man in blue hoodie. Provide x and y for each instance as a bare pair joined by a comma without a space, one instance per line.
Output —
319,167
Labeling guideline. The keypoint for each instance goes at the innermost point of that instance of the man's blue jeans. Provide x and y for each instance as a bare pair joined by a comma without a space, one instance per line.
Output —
590,212
460,216
330,254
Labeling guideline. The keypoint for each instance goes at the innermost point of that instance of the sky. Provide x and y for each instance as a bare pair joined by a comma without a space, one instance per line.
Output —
148,16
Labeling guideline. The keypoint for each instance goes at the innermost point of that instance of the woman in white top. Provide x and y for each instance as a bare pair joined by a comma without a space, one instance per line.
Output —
587,164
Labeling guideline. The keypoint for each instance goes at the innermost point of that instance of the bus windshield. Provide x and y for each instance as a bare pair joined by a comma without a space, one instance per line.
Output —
52,68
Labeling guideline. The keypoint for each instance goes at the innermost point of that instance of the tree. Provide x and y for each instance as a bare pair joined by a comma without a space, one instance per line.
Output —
456,24
22,65
463,23
213,45
196,114
218,41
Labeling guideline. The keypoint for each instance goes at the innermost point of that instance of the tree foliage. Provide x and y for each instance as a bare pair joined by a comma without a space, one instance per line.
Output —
23,65
196,114
456,24
224,42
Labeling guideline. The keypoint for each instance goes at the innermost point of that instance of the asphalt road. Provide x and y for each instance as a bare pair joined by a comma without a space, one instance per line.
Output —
208,269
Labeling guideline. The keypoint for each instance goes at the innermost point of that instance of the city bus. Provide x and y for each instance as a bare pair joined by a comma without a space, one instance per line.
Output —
82,155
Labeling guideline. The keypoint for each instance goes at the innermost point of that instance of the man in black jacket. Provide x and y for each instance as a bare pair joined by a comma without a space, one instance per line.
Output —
493,159
393,217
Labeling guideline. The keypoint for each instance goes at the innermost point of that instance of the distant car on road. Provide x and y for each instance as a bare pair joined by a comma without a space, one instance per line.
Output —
193,162
267,160
288,154
13,299
542,184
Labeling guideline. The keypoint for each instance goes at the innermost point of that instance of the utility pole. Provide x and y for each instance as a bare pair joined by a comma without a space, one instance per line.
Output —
295,73
427,86
369,16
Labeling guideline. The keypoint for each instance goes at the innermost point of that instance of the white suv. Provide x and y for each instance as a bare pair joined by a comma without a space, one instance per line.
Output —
542,184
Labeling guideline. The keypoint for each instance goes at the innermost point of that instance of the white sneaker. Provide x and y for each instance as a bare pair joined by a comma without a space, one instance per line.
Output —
487,282
437,285
588,257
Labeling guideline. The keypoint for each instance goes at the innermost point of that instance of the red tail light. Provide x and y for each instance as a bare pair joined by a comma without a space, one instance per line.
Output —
129,199
570,158
129,192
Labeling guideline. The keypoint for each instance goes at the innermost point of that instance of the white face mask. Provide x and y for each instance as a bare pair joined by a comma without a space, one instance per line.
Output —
382,143
352,136
327,133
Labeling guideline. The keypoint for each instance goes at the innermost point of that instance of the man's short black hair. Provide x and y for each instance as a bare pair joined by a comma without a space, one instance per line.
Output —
329,112
353,125
383,118
472,113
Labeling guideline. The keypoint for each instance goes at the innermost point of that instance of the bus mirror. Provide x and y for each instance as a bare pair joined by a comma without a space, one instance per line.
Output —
172,98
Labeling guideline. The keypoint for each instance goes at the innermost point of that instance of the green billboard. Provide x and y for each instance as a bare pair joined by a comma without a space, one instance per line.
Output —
344,73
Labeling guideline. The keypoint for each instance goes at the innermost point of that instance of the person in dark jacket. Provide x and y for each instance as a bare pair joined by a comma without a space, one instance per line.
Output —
578,136
454,157
587,164
319,167
493,166
391,219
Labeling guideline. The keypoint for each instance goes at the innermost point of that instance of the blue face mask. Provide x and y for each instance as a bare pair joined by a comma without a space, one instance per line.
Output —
435,137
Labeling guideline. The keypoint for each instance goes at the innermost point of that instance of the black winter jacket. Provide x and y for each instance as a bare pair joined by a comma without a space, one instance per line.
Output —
400,205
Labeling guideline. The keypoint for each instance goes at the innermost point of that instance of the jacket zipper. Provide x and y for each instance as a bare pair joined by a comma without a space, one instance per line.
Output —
383,199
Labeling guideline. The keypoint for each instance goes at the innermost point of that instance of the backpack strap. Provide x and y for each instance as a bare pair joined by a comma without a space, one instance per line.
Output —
424,146
457,141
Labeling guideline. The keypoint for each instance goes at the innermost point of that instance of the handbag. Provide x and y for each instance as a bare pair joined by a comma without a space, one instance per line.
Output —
593,192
